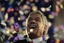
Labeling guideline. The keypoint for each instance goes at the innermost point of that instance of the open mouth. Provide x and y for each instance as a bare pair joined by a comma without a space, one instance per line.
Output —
32,26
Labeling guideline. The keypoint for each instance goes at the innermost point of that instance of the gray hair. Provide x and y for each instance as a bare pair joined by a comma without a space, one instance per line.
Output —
45,21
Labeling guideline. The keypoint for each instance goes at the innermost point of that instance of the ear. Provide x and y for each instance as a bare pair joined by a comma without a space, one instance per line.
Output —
45,29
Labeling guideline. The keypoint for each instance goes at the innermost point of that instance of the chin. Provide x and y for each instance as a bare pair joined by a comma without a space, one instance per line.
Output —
32,36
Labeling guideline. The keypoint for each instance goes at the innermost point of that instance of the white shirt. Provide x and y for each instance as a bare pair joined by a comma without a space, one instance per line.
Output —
39,40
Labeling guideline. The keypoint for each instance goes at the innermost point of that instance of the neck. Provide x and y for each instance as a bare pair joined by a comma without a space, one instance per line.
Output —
40,39
33,36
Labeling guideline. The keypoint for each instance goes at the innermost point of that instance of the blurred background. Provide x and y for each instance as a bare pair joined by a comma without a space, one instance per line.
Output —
13,14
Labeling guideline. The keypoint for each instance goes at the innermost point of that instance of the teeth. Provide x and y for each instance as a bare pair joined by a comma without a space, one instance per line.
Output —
31,30
32,26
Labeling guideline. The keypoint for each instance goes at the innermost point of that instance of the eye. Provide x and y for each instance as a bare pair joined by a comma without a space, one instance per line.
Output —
37,19
30,19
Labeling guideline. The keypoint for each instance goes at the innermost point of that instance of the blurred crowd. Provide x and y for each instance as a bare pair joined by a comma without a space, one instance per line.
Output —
13,14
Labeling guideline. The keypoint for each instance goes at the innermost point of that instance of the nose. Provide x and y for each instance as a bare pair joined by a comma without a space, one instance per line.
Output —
32,23
33,20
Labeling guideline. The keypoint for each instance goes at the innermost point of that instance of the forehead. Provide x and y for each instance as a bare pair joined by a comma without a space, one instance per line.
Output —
36,15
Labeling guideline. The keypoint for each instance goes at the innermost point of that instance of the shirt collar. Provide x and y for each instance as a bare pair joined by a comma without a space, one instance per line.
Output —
37,40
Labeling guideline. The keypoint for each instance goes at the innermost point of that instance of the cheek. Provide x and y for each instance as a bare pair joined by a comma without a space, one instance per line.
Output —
27,28
40,32
28,24
41,28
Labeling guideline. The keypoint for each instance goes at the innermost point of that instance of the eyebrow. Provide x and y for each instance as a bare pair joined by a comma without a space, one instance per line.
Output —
30,18
38,17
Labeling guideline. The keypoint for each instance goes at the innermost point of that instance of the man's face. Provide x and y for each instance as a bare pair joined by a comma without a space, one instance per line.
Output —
35,25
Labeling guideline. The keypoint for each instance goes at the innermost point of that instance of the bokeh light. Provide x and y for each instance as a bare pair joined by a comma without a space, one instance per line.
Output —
11,20
61,6
51,16
11,2
46,1
22,17
3,23
58,2
47,9
13,13
2,9
43,9
36,1
31,0
21,0
50,24
18,18
34,8
21,12
26,12
57,9
6,16
24,23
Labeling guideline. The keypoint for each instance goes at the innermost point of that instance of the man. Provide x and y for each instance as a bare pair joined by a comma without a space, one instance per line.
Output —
37,26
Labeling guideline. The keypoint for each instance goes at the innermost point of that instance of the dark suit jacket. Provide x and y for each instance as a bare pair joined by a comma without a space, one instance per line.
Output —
21,41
